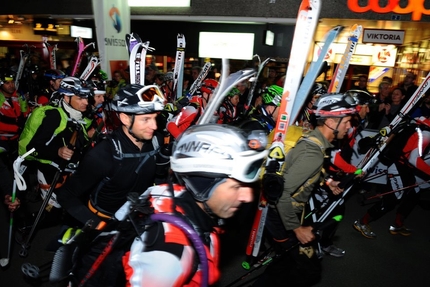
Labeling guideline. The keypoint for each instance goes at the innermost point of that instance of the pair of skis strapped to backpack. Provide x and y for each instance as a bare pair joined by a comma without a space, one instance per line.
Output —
137,51
81,49
178,71
307,21
261,66
197,84
342,67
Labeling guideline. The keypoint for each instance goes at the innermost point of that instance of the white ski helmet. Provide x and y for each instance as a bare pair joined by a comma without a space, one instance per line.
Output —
205,155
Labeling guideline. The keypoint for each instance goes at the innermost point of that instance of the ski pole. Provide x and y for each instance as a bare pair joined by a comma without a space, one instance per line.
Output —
24,250
16,167
292,243
5,261
396,190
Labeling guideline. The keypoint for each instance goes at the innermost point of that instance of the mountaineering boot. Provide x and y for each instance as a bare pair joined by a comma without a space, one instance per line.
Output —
402,230
364,229
333,250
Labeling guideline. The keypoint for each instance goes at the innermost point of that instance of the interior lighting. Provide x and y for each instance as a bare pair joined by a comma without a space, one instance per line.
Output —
159,3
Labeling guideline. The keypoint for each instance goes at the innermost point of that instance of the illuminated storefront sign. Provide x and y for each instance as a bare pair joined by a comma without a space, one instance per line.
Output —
416,7
394,37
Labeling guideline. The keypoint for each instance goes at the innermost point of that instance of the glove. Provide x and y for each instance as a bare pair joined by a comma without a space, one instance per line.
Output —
273,186
365,144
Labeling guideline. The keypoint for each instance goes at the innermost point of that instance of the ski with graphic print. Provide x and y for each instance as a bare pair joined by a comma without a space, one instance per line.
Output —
197,84
92,65
51,49
314,71
81,49
22,62
138,62
306,24
386,135
178,72
254,83
132,40
342,67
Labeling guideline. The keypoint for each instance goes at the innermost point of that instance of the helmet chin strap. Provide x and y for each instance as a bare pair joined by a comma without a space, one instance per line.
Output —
335,131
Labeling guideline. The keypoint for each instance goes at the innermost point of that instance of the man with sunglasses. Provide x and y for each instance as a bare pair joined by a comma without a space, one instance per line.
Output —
124,162
299,266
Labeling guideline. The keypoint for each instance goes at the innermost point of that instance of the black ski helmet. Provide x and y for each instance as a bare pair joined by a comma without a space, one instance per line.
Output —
361,97
137,99
53,74
72,86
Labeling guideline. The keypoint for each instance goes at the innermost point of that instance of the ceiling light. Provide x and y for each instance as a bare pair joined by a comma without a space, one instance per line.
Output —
10,21
159,3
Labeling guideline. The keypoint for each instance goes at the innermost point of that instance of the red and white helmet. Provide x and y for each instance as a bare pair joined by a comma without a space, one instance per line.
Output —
209,85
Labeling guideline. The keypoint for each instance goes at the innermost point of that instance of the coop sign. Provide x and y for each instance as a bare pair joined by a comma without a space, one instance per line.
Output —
414,7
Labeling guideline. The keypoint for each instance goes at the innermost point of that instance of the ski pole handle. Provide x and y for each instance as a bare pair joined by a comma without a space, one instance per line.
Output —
27,153
346,180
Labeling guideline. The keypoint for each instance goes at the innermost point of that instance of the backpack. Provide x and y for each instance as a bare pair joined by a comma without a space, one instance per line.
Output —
393,151
32,125
273,183
118,156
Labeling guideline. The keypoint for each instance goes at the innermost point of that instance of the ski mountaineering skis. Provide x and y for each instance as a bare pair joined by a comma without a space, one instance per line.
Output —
22,62
132,40
225,86
261,66
81,49
387,134
137,51
307,21
92,65
312,74
178,72
342,67
138,62
51,53
198,81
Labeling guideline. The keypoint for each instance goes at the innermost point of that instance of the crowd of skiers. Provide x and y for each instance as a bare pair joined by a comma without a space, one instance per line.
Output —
109,156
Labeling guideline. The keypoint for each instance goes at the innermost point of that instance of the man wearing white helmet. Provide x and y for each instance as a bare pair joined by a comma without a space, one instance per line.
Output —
302,171
216,167
50,130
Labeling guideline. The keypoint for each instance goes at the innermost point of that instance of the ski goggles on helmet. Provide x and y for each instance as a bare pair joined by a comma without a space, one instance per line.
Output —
151,97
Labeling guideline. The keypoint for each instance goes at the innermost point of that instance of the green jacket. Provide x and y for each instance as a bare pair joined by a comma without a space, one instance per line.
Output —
303,167
33,123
